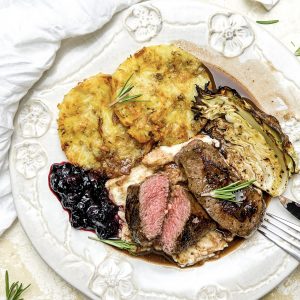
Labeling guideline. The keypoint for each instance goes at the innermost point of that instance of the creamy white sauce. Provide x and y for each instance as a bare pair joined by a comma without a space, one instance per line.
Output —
173,150
117,187
208,140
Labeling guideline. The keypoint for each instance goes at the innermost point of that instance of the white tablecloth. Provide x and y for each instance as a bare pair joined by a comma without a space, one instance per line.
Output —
24,264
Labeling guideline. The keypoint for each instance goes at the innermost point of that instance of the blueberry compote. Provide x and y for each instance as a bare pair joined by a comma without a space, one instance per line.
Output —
83,194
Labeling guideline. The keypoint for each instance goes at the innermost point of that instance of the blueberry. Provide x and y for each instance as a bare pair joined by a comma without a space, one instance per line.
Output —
101,232
73,180
95,214
65,170
76,171
54,182
76,220
61,186
69,200
72,183
56,168
108,210
80,205
64,202
86,224
86,196
110,230
86,183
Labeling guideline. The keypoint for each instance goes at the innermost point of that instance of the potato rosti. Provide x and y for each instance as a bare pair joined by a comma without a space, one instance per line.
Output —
90,134
165,76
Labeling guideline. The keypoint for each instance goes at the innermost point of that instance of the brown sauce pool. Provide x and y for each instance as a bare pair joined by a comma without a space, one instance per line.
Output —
157,258
221,78
218,78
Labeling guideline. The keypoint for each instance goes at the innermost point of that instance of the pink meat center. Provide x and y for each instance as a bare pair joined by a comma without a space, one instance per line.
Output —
154,193
176,218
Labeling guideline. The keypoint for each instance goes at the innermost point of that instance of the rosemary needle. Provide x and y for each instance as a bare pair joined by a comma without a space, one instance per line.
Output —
267,22
123,245
15,290
228,192
123,94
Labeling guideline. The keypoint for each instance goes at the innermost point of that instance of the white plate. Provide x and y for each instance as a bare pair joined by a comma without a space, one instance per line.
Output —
97,270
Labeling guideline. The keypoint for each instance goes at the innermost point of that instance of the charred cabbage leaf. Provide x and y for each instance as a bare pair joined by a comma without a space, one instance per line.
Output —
252,141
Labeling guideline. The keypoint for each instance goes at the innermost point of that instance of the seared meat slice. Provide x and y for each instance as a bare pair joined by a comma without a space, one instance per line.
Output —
154,194
241,219
146,207
204,167
185,223
207,170
132,214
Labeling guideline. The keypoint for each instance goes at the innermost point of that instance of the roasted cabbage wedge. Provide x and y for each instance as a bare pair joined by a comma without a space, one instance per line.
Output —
251,141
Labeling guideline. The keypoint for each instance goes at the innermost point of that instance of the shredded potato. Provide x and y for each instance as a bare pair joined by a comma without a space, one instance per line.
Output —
165,76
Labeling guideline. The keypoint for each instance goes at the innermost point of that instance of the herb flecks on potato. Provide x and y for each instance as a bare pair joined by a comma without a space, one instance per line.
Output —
165,77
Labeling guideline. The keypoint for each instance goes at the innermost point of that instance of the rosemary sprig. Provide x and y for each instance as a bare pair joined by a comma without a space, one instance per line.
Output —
297,52
228,192
123,94
123,245
267,22
15,290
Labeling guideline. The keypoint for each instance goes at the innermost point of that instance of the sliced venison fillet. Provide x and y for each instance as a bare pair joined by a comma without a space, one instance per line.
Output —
185,223
154,194
146,207
207,170
132,215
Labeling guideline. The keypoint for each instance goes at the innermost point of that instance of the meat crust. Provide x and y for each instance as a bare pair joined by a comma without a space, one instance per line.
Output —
132,214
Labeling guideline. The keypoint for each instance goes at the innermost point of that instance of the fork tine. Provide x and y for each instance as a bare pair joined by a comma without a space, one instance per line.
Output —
285,229
285,238
287,223
272,237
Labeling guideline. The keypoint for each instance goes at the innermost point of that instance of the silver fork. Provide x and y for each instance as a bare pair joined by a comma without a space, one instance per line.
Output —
283,233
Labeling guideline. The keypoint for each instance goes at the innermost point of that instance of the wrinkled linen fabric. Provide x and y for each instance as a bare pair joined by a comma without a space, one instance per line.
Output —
268,4
30,35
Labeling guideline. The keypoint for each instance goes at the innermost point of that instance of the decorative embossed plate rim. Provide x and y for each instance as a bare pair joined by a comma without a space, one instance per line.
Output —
97,270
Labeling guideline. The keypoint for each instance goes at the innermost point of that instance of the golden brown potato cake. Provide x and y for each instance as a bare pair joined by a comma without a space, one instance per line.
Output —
91,134
165,76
